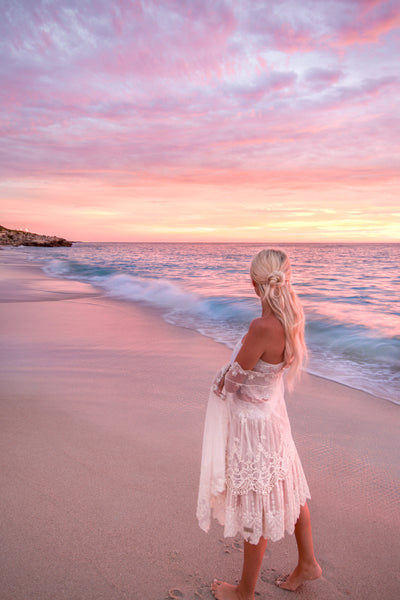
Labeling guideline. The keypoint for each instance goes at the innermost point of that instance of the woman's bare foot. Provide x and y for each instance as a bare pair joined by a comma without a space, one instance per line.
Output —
300,575
226,591
223,591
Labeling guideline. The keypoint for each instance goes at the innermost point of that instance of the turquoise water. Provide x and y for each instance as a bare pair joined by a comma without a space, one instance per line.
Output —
350,294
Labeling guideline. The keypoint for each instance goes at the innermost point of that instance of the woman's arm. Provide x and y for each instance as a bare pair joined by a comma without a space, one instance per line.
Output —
261,336
253,346
254,343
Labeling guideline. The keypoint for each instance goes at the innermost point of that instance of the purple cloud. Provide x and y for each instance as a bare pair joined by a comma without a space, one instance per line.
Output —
186,86
320,78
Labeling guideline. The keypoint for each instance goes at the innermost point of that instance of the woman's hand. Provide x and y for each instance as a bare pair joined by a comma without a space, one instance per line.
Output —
220,386
219,382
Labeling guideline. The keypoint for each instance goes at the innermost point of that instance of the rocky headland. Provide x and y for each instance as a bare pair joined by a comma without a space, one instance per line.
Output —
15,237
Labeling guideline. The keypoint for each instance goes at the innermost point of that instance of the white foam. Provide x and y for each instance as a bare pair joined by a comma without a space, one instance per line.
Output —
341,349
58,268
158,292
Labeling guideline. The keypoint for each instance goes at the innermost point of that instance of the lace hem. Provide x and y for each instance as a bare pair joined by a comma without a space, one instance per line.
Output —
260,471
253,515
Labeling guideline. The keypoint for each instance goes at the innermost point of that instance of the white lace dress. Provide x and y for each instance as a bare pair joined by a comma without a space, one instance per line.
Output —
251,477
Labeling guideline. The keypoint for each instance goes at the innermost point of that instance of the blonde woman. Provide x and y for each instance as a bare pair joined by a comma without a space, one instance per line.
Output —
251,477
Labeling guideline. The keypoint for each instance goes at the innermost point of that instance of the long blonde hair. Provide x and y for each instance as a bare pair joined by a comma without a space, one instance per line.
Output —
270,271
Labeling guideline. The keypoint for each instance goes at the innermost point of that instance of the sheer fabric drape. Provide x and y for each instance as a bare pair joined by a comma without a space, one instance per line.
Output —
251,477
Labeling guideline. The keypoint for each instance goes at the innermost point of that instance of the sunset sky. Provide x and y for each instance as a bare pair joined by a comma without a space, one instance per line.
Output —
201,120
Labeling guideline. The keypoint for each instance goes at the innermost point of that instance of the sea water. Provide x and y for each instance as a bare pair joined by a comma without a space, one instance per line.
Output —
350,294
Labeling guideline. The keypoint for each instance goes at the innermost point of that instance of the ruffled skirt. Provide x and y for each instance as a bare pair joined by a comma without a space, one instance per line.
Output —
251,476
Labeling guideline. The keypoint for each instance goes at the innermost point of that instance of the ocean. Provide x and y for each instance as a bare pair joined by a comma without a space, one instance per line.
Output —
350,294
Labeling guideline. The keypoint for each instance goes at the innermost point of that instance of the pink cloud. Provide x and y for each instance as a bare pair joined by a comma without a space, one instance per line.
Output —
166,39
320,78
366,22
369,32
267,83
271,28
343,97
218,91
277,179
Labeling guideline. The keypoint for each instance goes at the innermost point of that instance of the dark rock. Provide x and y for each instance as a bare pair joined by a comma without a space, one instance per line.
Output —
15,237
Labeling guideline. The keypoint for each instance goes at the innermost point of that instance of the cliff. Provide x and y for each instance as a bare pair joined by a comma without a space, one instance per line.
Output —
14,237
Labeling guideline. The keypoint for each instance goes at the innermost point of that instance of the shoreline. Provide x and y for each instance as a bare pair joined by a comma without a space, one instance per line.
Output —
102,409
64,285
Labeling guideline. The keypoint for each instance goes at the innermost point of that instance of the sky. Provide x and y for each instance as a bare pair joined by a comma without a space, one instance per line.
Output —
201,120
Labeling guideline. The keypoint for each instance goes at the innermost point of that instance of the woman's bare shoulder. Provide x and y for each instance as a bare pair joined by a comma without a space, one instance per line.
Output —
265,324
263,340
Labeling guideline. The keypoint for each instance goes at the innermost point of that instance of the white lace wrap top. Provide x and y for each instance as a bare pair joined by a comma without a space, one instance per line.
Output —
251,477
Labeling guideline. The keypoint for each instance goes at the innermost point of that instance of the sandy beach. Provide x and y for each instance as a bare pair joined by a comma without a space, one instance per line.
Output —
102,408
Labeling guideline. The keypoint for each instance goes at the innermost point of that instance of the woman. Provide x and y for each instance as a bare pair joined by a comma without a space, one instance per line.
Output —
251,476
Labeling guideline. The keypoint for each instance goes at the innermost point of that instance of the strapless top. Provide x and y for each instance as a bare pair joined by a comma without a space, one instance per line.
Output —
265,367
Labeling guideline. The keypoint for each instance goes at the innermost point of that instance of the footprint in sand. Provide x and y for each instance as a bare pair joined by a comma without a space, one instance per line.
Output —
175,594
237,545
268,575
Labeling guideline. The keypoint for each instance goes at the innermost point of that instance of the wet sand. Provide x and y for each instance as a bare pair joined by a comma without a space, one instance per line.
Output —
101,408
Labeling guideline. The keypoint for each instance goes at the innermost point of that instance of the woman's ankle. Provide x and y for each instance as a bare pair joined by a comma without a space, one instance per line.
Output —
245,593
308,566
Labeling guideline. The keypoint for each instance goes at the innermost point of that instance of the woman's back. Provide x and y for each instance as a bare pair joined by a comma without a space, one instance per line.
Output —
265,340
